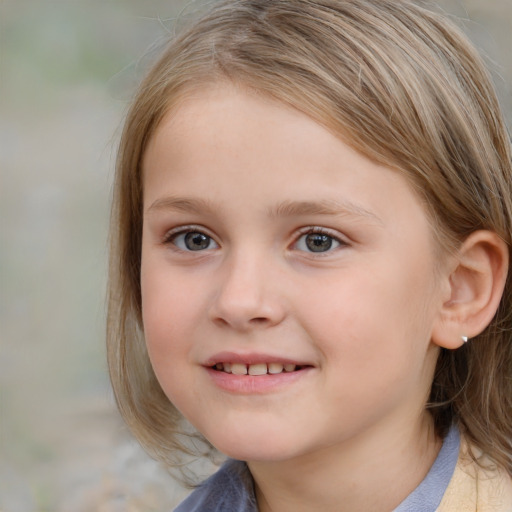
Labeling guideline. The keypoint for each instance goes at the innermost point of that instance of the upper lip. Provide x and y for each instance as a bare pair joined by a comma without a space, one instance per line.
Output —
252,358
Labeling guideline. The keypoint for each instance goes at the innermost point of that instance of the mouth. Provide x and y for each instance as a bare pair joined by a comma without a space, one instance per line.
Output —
256,373
257,369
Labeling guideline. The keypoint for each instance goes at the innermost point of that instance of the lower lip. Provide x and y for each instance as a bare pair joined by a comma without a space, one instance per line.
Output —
255,384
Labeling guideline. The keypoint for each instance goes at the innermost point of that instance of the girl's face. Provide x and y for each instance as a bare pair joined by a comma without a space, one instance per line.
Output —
273,248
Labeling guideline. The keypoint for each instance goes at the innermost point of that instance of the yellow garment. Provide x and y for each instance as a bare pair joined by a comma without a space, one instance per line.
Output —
474,489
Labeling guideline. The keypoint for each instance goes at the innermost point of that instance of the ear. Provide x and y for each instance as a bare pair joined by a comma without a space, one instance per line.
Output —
475,281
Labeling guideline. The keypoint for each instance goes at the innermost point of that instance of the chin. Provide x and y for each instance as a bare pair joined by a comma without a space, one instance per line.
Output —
261,447
254,454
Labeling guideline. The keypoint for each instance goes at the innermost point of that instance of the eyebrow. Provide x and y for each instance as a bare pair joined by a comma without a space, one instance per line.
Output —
181,204
332,207
327,207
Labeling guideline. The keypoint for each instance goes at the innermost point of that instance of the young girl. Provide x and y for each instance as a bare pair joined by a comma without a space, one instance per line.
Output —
311,234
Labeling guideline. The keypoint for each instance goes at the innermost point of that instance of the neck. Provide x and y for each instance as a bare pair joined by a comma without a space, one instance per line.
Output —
376,471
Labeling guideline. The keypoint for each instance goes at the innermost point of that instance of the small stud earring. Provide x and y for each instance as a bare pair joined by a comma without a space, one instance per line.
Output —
464,339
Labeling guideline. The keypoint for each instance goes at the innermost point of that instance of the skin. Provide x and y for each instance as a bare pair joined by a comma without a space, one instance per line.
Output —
351,432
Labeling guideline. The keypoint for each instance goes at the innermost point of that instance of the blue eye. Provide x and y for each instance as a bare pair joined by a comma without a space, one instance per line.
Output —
317,242
193,241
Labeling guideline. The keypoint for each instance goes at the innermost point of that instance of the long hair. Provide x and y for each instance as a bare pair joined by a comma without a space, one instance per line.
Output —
400,84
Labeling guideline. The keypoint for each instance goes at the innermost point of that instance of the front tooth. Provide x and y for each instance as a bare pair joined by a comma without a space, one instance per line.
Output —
258,369
238,369
227,367
289,367
275,368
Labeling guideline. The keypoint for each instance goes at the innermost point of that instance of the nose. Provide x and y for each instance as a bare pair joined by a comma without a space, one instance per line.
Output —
249,295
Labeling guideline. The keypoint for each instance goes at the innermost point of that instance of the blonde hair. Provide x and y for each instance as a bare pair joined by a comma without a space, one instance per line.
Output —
400,84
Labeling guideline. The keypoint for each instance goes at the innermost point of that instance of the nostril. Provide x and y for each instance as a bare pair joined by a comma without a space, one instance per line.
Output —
259,320
221,321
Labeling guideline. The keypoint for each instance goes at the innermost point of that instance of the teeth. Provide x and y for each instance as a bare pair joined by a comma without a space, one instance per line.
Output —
238,369
257,369
275,368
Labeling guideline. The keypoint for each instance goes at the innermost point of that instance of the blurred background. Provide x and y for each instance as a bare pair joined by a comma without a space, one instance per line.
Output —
67,71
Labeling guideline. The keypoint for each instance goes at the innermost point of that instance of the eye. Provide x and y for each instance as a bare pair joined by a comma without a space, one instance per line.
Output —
317,242
192,241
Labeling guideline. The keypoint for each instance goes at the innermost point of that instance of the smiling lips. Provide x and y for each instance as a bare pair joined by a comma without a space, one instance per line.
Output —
255,373
256,369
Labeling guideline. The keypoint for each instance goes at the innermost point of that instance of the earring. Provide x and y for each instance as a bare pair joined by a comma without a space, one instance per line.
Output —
464,339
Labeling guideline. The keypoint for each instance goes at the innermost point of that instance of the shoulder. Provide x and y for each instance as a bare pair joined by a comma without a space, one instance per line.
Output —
230,489
476,488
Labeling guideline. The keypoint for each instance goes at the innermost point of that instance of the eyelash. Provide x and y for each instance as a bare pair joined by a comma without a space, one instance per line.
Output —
316,230
171,237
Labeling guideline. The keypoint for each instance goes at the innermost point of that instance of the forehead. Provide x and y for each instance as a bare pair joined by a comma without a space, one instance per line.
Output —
228,115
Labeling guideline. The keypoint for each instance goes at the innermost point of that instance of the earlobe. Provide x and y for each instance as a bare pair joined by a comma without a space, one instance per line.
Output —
476,281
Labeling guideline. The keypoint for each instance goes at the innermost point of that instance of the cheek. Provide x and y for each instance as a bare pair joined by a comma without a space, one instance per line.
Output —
166,310
374,351
371,322
167,315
